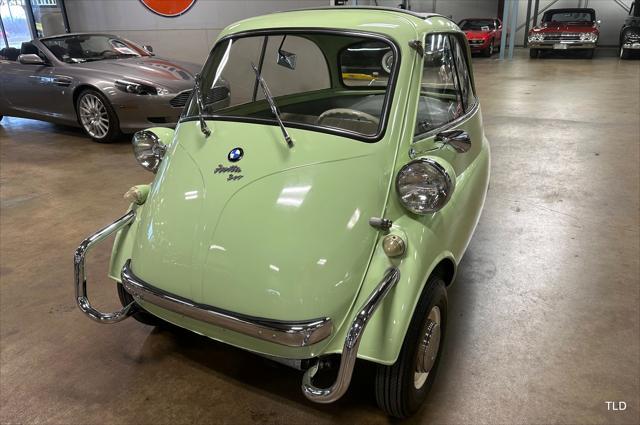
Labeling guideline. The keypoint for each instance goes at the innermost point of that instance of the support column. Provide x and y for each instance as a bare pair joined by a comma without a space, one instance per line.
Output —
515,6
526,24
505,25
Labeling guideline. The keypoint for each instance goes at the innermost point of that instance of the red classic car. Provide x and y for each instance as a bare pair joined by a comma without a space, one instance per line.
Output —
483,34
565,29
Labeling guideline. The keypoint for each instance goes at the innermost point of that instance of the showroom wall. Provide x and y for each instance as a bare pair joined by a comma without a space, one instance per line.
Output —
188,37
458,9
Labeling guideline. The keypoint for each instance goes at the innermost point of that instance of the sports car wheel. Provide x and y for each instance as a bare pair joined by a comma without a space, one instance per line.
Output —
96,116
402,387
140,315
488,52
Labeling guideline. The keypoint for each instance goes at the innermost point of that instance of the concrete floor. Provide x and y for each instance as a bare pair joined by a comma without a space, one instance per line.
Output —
544,324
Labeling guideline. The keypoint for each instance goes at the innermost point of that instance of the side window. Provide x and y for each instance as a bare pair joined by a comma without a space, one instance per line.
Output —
464,76
440,101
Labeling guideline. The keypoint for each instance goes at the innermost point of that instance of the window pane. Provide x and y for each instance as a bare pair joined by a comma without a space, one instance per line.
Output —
463,74
439,101
48,17
15,21
367,64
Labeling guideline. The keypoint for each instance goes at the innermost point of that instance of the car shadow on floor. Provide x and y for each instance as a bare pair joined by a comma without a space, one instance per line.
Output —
268,378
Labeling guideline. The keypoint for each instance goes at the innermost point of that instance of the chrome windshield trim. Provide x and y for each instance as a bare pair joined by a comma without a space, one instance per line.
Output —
288,333
351,344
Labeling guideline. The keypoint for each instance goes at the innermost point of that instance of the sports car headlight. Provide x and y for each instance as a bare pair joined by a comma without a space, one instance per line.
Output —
424,186
148,150
139,88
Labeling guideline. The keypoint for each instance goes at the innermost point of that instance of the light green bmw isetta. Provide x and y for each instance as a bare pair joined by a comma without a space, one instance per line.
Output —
318,217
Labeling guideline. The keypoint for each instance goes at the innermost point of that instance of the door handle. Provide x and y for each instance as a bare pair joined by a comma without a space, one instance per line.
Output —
459,140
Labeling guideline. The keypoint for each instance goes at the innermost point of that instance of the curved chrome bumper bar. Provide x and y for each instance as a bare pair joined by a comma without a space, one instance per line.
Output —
289,333
81,278
351,344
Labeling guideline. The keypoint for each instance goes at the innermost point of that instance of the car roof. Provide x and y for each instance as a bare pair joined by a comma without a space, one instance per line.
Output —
571,9
396,23
72,34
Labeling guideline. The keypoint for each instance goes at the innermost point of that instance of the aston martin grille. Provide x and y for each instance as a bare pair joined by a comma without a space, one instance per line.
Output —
217,94
180,100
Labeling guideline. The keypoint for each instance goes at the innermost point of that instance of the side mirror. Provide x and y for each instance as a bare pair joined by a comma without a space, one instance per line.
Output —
459,140
148,48
30,59
599,22
499,27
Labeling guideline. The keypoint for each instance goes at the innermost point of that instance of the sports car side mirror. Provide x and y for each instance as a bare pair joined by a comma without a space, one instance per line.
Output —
148,49
30,59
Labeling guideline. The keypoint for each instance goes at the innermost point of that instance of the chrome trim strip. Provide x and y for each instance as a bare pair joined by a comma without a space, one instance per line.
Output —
81,278
288,333
351,344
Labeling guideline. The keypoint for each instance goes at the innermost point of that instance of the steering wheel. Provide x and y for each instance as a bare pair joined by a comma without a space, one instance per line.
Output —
348,113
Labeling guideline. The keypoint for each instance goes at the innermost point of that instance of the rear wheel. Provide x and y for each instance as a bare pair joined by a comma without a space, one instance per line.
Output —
402,387
97,117
140,315
533,53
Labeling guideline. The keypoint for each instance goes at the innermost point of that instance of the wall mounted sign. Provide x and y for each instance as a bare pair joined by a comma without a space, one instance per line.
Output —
169,8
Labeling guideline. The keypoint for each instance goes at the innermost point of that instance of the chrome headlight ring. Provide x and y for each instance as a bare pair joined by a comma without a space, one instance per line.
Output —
424,186
148,150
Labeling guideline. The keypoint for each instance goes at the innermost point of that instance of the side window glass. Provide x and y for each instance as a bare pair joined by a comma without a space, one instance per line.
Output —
440,101
464,77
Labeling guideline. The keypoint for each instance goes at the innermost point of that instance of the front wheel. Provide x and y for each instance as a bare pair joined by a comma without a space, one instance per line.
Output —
97,117
590,53
488,52
624,53
402,387
533,53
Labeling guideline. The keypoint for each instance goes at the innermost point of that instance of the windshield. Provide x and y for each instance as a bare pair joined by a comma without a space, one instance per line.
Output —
318,80
569,16
84,48
477,25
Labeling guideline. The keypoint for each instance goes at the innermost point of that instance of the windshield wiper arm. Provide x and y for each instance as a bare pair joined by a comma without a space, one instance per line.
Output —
272,105
198,94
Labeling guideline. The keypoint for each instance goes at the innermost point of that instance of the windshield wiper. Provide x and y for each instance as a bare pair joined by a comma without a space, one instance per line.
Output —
198,94
272,105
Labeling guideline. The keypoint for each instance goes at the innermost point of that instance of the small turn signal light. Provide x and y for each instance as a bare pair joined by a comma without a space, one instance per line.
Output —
393,245
137,194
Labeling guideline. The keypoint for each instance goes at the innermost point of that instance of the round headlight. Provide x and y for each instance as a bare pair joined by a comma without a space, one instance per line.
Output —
424,186
148,150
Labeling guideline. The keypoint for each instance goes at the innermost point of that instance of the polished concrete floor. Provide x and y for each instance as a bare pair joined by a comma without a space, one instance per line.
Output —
544,324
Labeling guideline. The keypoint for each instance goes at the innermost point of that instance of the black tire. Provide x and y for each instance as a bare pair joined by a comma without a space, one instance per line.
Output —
625,53
140,315
590,53
101,113
488,52
395,387
533,53
1,116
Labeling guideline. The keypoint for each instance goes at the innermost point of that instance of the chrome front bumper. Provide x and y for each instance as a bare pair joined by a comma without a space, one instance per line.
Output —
633,46
288,333
570,44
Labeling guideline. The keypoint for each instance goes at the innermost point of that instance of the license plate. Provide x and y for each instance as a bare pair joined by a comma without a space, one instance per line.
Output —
560,46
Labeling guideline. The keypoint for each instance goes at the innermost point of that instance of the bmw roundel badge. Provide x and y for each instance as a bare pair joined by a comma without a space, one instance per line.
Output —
235,155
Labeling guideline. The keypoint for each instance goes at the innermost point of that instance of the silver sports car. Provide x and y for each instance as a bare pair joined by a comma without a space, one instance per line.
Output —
100,82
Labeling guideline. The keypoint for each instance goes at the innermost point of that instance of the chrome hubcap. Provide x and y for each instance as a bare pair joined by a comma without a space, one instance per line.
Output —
428,348
93,116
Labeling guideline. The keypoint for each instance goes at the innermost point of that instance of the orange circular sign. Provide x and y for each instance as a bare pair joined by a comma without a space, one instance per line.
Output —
168,7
